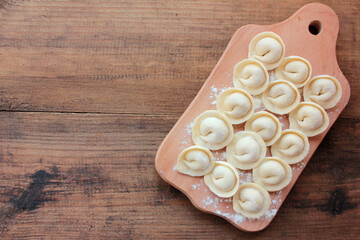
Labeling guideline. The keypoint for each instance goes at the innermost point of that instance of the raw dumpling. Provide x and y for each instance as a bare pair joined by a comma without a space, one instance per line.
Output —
251,200
212,130
266,125
273,174
309,118
323,90
294,69
268,48
195,161
223,180
281,97
292,146
246,150
236,104
251,75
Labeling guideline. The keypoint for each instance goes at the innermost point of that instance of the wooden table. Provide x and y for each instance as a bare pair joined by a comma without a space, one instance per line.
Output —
89,89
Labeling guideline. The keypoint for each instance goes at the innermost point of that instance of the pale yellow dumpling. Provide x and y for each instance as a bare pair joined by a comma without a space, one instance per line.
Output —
309,118
273,174
281,97
251,200
212,130
323,90
251,75
246,150
266,125
292,146
268,48
223,180
195,161
236,104
294,69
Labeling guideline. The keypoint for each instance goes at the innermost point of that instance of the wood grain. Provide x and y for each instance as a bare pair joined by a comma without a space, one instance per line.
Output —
90,88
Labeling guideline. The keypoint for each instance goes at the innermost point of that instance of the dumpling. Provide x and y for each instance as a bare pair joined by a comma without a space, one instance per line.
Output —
292,146
281,97
266,125
212,130
251,200
273,174
195,161
251,75
236,104
268,48
309,118
294,69
246,150
323,90
223,180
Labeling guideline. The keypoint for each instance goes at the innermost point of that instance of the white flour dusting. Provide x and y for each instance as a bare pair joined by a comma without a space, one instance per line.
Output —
258,106
215,92
237,218
174,168
208,201
298,166
188,129
270,213
229,76
272,76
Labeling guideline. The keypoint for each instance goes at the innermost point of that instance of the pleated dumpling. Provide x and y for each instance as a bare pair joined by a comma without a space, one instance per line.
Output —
212,130
251,75
323,90
246,150
236,104
268,48
273,174
309,118
195,161
251,200
292,146
294,69
223,180
266,125
281,97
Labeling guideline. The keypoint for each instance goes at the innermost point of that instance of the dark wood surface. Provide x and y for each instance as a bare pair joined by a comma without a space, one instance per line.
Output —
89,89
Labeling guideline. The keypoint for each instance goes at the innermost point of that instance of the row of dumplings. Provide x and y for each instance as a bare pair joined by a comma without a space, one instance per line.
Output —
246,150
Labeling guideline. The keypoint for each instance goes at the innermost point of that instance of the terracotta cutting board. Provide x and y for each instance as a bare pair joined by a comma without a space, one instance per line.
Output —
319,49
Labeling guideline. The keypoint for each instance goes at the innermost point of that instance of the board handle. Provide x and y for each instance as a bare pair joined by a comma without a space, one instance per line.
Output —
319,20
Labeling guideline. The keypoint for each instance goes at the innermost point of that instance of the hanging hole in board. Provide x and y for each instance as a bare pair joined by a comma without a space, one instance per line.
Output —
315,27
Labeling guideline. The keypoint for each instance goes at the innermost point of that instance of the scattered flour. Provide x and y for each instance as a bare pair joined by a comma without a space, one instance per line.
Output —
272,76
245,177
208,201
188,129
237,218
270,213
196,186
187,136
174,168
258,106
219,156
215,92
298,166
229,76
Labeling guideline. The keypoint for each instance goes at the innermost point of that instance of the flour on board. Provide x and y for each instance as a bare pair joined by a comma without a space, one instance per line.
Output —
237,218
215,92
258,106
